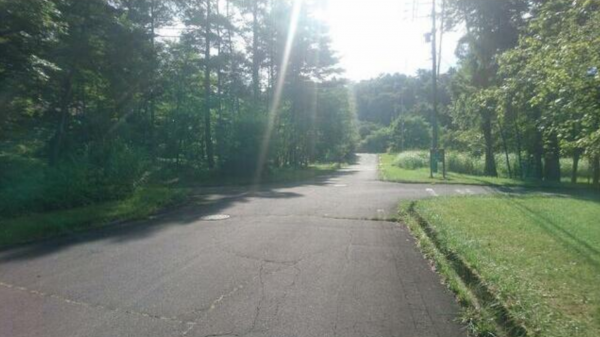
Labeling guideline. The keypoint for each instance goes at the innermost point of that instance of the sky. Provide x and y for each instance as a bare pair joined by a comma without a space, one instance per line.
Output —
373,37
380,36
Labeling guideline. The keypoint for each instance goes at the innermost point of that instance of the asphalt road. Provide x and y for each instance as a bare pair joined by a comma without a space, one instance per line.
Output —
310,259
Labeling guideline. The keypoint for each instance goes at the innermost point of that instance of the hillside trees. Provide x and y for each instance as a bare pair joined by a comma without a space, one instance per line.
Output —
184,85
401,105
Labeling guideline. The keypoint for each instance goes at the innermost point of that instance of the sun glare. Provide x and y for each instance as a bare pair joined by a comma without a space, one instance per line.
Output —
383,36
273,111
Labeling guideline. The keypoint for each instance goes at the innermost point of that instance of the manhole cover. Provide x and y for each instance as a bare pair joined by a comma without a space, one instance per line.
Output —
215,217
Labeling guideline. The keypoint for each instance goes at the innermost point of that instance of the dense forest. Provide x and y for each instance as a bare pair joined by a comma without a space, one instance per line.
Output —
99,97
525,93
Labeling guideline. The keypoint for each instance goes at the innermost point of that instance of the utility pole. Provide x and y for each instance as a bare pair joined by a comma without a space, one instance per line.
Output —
440,40
152,80
434,113
436,154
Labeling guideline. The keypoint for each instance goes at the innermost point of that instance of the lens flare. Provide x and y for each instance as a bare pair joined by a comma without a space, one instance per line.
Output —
274,111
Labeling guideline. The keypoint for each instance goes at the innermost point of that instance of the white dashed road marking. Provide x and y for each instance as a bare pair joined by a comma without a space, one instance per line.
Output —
432,192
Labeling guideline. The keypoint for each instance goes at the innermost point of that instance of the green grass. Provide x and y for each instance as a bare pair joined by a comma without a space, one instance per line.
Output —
539,256
390,172
467,164
143,203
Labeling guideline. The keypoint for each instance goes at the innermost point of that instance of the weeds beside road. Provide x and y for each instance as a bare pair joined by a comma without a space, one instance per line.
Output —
528,263
142,203
413,167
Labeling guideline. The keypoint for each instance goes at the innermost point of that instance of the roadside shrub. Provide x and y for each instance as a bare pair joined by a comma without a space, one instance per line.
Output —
464,163
245,145
412,160
21,181
501,164
97,174
584,169
377,142
457,162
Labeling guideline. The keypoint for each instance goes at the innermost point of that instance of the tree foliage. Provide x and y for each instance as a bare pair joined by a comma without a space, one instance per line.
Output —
186,86
526,86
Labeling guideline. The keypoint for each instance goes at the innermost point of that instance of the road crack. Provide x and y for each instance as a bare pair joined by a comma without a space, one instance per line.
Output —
346,265
69,301
261,300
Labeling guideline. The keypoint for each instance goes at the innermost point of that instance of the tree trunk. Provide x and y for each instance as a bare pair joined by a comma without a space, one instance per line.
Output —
596,170
152,80
233,91
177,119
512,116
519,148
576,157
552,159
505,145
56,143
220,128
255,56
207,93
538,152
271,49
490,162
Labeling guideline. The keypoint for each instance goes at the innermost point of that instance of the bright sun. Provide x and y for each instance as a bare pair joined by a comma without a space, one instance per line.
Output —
379,36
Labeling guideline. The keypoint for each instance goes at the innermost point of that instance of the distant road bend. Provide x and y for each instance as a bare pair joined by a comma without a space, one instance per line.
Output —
308,259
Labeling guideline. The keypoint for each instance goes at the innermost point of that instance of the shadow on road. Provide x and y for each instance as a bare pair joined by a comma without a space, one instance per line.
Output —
204,202
587,194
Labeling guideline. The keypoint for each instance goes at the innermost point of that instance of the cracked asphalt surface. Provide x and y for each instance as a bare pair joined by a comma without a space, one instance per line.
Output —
318,258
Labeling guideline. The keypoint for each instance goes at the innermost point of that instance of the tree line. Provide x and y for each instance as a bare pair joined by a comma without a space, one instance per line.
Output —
394,110
115,91
526,85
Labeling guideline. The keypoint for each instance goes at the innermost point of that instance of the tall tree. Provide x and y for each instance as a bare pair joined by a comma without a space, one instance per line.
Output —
208,140
492,27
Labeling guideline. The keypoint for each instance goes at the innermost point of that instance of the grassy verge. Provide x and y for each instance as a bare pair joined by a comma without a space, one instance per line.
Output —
529,264
140,205
390,172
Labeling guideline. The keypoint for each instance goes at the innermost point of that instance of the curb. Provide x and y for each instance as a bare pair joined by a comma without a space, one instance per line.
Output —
474,282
